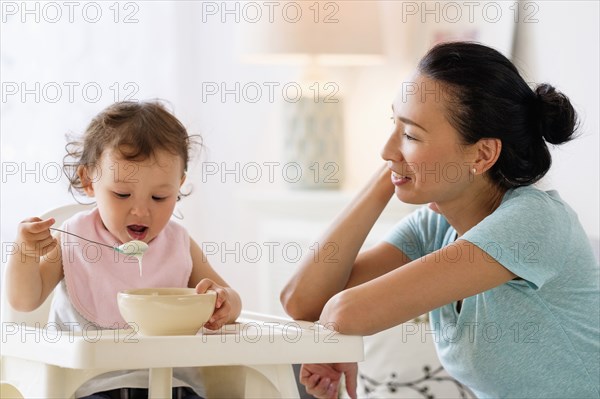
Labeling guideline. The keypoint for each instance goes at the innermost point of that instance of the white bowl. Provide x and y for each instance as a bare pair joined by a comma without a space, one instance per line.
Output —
166,311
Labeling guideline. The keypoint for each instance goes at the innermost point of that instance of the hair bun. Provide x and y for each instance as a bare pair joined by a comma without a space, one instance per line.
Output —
556,116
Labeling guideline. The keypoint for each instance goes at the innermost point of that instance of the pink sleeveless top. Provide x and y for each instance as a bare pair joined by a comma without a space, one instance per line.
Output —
94,274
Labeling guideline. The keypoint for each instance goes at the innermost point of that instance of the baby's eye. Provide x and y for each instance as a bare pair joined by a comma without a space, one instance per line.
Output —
121,195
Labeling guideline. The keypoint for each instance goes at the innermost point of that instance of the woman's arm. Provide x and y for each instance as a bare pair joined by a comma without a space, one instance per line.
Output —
457,271
35,268
229,304
317,280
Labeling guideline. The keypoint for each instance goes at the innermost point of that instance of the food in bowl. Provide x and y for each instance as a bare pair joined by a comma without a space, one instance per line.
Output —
166,311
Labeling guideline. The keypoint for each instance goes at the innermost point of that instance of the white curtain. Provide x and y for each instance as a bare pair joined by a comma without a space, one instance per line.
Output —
57,74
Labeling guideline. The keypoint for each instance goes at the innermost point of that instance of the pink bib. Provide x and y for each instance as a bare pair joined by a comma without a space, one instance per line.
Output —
95,274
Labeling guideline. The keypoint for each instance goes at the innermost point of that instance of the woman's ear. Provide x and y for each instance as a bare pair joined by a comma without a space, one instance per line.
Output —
488,151
182,179
86,180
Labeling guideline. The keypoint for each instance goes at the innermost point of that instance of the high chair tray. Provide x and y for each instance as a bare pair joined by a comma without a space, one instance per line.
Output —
255,339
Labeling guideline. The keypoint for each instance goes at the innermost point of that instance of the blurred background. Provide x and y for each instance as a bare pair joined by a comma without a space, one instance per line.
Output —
292,99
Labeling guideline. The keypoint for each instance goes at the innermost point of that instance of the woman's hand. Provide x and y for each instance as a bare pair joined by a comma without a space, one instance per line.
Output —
34,239
223,308
323,380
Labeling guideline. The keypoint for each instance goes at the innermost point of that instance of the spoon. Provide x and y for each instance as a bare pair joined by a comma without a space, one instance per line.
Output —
133,248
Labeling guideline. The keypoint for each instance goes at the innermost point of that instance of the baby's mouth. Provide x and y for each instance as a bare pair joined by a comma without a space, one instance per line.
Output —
137,231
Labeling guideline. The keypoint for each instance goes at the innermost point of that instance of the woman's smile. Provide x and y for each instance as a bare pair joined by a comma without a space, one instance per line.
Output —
398,180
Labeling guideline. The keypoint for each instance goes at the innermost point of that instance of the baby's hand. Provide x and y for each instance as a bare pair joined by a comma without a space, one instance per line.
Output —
34,239
222,306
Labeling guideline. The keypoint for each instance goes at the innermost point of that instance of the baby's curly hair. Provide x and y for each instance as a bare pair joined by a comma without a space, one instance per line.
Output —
137,130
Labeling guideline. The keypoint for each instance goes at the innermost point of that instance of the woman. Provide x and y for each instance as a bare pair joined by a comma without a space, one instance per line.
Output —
505,269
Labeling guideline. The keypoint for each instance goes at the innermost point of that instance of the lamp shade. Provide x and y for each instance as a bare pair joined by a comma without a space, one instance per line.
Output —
325,32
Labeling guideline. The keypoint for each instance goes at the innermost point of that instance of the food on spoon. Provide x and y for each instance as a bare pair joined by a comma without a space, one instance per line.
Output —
134,248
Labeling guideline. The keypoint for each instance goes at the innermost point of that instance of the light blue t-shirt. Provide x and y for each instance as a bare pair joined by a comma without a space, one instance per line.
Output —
534,337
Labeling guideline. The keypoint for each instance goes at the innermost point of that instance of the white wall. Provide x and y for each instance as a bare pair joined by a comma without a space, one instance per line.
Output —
172,53
562,49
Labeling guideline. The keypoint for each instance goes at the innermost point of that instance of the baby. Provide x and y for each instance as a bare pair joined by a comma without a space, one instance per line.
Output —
132,160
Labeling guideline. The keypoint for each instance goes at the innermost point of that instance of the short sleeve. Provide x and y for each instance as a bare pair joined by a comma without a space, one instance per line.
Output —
526,234
420,233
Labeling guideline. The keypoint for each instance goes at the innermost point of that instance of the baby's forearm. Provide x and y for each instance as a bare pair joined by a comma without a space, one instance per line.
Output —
24,282
36,267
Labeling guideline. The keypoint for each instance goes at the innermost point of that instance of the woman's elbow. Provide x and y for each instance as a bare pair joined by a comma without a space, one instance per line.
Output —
295,307
289,304
340,314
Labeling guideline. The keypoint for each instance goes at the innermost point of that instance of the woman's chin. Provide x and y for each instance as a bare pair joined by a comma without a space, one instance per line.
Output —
407,198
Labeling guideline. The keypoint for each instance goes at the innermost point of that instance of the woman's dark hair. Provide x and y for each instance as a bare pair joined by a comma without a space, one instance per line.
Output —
488,98
135,129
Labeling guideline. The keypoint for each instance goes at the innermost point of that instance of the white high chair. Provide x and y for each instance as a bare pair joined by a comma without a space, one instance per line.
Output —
252,358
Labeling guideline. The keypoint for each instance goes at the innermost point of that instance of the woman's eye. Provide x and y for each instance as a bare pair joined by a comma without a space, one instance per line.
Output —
155,198
120,195
408,137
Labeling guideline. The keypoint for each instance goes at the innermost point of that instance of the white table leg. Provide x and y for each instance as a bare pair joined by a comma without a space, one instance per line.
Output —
287,381
160,384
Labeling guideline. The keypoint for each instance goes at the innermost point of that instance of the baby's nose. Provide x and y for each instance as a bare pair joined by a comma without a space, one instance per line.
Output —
140,210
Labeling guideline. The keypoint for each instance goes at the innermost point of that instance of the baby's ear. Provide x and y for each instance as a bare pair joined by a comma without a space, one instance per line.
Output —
86,180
